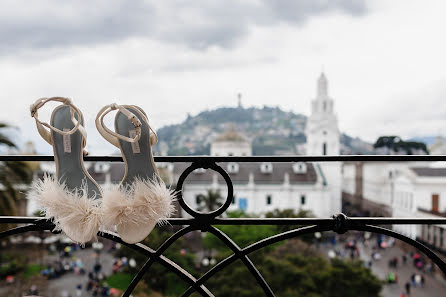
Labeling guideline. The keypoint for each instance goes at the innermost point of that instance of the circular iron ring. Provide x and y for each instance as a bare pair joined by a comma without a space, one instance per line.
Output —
193,212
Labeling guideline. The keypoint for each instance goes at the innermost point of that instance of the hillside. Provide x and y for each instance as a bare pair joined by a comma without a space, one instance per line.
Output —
271,130
428,140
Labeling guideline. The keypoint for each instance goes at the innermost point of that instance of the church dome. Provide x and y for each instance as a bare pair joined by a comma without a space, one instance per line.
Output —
231,135
231,143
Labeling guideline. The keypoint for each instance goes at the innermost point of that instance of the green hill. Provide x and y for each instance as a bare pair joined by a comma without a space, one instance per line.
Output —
271,130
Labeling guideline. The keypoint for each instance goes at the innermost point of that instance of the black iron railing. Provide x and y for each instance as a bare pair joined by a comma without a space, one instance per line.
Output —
205,222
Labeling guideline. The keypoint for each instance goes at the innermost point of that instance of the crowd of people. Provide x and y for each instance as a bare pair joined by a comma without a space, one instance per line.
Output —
417,278
96,284
62,266
66,260
378,246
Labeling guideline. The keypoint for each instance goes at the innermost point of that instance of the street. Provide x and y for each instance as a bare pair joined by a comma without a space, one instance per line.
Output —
434,286
69,281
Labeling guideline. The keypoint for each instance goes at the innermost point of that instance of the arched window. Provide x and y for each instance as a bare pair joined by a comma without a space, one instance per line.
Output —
324,149
233,167
266,167
269,199
299,168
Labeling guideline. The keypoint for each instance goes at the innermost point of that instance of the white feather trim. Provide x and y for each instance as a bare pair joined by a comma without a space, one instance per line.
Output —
73,212
143,203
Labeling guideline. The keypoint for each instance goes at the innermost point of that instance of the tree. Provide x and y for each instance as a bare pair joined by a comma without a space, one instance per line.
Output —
297,275
11,174
396,144
158,278
291,213
209,202
291,268
242,235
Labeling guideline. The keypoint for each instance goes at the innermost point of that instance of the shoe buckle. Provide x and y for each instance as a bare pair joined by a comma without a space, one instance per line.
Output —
135,121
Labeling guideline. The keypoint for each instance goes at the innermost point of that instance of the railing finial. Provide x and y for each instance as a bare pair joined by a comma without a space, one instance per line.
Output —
341,223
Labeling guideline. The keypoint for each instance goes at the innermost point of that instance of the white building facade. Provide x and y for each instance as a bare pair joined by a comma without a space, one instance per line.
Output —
401,190
323,138
260,188
421,192
264,187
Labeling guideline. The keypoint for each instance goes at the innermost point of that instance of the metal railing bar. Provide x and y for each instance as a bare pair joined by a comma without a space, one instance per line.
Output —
22,220
145,250
283,236
244,258
263,221
185,276
167,243
24,229
219,266
253,247
166,262
418,245
206,221
214,159
204,216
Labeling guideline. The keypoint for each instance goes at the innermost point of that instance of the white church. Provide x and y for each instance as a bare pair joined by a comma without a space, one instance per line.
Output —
260,188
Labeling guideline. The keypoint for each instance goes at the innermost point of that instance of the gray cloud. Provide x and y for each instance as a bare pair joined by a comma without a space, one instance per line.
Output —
299,11
196,24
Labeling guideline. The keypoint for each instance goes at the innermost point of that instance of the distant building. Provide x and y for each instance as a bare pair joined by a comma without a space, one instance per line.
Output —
399,189
421,192
368,187
259,188
231,143
323,138
438,147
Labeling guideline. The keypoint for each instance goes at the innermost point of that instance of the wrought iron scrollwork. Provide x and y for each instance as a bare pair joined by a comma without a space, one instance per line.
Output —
205,222
201,216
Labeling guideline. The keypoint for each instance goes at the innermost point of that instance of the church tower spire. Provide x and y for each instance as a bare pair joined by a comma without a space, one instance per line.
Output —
322,125
322,86
322,103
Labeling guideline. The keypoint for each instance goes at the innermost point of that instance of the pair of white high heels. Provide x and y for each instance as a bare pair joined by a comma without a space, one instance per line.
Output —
75,202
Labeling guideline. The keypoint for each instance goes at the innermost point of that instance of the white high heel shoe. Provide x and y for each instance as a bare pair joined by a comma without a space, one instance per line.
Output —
142,200
71,198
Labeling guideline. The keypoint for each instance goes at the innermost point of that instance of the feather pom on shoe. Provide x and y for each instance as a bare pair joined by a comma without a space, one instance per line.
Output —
136,209
73,212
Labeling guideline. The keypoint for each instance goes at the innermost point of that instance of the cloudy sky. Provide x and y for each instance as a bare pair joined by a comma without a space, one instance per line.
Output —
385,60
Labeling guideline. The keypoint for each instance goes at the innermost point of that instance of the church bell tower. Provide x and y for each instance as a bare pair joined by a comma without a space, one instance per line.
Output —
323,137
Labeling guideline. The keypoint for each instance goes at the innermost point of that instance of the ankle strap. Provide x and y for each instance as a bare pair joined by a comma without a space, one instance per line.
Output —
46,135
114,137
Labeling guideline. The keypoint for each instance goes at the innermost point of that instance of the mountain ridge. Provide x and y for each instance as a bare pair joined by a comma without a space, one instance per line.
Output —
271,130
